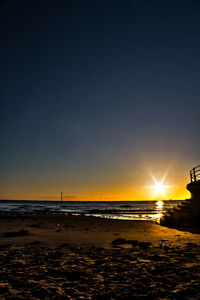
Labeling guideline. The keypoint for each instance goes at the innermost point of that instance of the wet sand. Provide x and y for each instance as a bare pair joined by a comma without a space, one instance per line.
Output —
71,257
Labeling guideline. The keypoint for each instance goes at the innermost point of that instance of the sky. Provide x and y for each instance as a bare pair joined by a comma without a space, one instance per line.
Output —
98,98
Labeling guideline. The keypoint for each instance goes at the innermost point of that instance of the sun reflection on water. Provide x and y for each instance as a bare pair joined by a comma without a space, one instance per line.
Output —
159,204
157,216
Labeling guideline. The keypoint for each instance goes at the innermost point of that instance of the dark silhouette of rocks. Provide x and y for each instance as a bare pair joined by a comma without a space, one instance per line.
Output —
186,216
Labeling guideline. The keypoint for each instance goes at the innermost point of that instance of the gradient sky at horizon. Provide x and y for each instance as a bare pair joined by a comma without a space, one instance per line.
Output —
97,95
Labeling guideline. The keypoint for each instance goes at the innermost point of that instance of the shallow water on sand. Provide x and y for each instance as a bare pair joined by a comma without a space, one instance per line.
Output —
125,210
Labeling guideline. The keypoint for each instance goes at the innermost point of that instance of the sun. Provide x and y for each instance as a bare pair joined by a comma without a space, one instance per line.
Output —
159,188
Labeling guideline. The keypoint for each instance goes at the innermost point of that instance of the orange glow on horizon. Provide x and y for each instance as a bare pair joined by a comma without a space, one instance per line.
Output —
127,188
135,194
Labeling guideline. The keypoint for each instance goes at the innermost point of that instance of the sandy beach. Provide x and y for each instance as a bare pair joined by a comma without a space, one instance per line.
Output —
78,257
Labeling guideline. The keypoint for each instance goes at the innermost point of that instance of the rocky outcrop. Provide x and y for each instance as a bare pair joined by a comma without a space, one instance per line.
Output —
185,216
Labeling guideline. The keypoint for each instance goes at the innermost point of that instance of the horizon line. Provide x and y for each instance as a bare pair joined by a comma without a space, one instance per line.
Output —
50,200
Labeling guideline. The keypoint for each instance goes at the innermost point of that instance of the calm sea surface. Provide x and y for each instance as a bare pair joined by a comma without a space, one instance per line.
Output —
126,210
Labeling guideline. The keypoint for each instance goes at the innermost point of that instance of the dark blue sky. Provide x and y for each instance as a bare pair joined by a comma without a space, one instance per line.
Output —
96,93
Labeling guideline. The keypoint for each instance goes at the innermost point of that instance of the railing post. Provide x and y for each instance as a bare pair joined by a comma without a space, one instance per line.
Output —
194,175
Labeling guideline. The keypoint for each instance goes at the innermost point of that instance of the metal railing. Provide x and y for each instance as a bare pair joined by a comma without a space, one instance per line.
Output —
195,174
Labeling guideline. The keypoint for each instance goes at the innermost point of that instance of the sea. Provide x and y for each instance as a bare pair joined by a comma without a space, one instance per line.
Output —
124,210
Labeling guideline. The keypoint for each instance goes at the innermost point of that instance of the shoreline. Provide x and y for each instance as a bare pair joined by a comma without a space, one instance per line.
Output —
55,229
